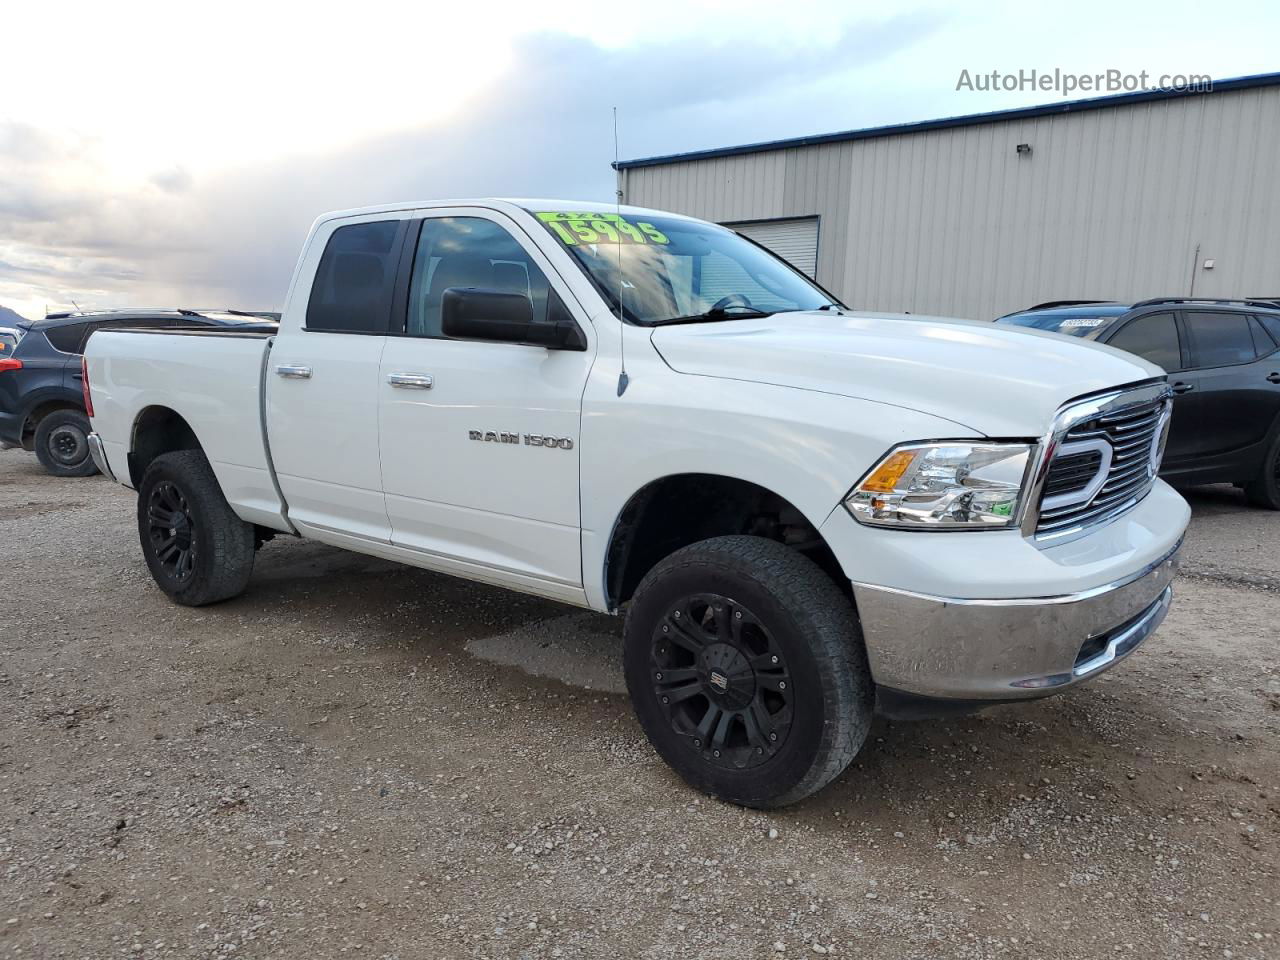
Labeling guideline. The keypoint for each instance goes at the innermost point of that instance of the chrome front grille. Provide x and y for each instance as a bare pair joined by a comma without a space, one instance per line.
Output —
1103,464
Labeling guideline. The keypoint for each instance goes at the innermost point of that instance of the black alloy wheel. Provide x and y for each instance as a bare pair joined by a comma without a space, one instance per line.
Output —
722,680
171,529
747,671
197,549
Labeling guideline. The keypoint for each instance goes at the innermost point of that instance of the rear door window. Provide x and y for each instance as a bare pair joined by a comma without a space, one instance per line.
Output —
1153,337
1219,339
353,285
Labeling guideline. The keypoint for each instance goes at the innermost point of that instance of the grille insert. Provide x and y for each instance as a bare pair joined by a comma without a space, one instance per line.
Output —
1131,432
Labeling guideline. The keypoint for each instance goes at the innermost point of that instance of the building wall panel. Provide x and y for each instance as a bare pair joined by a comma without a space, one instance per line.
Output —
1111,203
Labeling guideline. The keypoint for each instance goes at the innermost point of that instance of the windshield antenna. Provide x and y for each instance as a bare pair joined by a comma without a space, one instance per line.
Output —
623,379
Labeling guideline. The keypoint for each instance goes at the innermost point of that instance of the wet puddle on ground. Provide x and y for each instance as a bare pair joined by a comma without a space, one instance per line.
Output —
581,649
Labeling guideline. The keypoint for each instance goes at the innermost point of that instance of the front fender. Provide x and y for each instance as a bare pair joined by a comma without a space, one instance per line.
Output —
807,447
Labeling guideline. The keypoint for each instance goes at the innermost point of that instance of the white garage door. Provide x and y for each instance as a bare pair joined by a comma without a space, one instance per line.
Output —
795,241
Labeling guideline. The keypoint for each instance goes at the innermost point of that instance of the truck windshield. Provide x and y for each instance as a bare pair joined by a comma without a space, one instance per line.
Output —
665,268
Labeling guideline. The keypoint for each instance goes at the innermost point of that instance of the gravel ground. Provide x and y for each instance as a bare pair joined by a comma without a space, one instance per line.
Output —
361,759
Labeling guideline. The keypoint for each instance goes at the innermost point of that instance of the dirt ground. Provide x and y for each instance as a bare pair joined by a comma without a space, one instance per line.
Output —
355,759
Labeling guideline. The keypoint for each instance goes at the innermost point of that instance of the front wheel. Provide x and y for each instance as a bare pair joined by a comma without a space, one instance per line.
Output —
747,671
197,549
62,444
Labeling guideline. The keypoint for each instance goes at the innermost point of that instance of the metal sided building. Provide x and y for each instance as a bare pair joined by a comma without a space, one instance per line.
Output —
1124,197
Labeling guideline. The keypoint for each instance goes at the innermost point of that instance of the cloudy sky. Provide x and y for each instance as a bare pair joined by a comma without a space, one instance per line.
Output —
175,154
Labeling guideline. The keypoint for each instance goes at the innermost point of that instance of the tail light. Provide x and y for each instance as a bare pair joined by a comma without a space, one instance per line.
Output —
84,385
9,363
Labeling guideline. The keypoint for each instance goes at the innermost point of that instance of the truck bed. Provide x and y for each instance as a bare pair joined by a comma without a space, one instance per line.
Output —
213,380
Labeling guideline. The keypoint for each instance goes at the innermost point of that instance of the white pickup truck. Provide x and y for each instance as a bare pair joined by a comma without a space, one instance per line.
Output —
806,513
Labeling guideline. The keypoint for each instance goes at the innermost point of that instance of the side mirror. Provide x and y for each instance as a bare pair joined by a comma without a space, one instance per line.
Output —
468,313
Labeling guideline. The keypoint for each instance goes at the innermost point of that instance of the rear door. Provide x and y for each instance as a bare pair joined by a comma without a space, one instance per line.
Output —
322,380
479,440
1157,338
48,368
1230,356
69,341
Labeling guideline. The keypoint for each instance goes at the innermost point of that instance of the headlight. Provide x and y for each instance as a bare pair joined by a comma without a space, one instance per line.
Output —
943,486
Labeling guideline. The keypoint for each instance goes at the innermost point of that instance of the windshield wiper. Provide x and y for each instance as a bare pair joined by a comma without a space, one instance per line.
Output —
714,315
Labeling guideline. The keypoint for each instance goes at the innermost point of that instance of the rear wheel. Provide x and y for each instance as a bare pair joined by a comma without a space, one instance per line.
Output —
746,668
197,549
62,444
1264,490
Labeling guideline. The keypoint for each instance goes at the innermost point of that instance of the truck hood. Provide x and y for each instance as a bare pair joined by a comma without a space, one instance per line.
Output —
999,381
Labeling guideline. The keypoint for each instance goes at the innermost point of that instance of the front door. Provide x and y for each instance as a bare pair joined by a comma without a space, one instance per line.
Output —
1155,337
479,440
1227,387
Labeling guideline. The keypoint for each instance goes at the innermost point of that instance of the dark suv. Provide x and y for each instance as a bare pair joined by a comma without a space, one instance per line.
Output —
1223,359
41,397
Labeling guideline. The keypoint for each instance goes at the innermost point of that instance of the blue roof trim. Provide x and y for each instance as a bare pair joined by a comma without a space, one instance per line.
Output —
972,119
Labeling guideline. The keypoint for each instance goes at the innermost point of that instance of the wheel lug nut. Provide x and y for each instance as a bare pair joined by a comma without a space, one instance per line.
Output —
658,676
773,736
677,614
773,659
666,699
782,684
665,628
737,614
715,753
759,749
697,743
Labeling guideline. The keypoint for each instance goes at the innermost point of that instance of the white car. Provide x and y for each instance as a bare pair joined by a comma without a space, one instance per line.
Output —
806,513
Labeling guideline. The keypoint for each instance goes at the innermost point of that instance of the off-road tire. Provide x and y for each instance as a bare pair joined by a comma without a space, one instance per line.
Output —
812,627
62,444
180,502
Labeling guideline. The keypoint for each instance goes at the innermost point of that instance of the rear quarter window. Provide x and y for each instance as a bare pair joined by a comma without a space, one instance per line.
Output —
1271,323
68,338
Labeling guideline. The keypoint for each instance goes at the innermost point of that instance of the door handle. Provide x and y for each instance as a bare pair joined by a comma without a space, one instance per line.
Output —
410,381
293,371
1274,378
1181,387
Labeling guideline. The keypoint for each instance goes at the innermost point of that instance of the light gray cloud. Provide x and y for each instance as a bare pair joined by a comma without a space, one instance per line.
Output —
173,180
542,128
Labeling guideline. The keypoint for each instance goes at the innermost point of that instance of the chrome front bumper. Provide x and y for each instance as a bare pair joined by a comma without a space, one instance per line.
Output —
99,455
949,648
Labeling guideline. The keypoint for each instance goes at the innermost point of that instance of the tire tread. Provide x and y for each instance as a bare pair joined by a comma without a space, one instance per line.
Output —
1264,490
230,539
86,468
828,619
